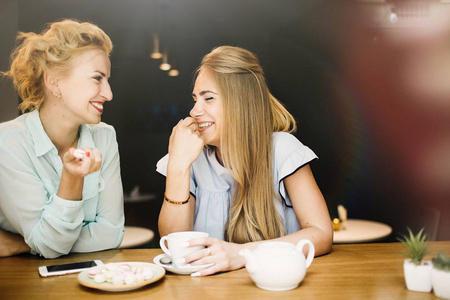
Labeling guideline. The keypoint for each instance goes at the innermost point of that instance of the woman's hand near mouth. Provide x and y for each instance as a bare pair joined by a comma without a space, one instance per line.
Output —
185,143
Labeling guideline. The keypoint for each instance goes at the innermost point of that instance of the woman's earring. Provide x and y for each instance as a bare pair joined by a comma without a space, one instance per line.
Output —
57,95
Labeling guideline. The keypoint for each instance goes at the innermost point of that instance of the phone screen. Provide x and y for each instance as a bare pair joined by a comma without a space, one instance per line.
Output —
78,265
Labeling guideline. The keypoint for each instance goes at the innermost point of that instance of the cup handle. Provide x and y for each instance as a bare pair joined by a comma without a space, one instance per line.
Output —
311,250
162,244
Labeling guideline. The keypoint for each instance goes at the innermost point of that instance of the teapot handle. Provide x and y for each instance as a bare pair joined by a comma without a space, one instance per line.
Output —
311,250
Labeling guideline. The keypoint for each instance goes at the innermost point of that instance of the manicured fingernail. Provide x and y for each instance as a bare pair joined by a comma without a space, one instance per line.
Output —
88,154
184,245
196,274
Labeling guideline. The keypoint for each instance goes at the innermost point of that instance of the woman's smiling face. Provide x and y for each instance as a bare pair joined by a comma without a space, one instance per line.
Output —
86,89
207,110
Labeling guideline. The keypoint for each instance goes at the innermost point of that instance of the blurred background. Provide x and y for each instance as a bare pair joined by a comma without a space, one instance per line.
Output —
367,81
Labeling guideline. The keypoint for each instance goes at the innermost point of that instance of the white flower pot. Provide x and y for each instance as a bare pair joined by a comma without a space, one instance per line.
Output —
441,283
418,277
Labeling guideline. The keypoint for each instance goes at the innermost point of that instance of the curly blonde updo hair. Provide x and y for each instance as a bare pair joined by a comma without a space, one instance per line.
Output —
53,49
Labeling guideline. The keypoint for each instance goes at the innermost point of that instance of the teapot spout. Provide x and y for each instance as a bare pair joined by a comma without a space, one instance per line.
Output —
250,261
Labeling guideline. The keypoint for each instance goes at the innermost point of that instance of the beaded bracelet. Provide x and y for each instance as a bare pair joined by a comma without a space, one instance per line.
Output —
175,202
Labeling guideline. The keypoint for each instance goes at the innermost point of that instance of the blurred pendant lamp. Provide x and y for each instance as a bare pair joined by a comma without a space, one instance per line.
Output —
156,54
165,66
173,71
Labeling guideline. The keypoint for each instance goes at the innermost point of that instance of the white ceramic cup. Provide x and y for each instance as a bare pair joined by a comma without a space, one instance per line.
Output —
178,245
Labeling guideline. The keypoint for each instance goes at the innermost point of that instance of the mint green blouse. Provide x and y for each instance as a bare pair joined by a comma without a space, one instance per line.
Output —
30,172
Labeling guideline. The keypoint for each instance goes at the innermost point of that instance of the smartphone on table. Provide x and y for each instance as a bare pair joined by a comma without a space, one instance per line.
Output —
63,269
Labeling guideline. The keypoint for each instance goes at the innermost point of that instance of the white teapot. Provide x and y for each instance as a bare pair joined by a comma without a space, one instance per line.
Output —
278,266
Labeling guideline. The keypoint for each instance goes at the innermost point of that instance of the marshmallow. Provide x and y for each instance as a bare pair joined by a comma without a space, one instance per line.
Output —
78,153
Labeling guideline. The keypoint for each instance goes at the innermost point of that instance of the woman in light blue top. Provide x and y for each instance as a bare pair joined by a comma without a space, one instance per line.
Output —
235,171
53,201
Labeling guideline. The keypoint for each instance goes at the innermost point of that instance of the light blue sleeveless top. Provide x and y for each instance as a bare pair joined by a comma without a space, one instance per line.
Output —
211,184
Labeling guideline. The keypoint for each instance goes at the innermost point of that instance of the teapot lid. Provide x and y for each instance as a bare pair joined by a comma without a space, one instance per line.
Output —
276,246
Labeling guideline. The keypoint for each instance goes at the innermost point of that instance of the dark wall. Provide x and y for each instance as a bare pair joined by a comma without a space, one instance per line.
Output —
307,49
9,24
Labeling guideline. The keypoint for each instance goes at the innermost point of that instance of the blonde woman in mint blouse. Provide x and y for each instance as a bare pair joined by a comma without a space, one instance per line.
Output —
51,202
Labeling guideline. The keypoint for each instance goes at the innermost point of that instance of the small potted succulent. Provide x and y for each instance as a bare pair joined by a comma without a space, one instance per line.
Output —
417,271
440,275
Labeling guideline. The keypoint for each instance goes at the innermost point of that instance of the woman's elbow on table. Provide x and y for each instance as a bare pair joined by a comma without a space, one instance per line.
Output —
49,246
48,252
324,242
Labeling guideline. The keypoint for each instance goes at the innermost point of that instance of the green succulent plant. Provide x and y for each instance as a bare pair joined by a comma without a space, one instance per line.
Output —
416,246
441,262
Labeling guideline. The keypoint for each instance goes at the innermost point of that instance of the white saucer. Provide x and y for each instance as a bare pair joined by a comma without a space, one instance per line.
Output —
188,269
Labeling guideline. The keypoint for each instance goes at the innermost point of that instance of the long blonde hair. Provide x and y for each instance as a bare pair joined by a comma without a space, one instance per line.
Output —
251,115
53,50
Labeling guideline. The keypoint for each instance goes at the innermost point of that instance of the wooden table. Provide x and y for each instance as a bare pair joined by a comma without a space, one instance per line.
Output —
351,271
